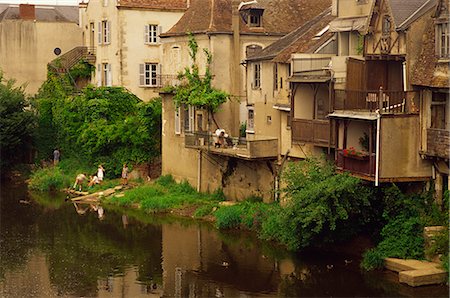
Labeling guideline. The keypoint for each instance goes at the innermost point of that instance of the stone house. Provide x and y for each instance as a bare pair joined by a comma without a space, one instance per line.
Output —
33,35
231,31
124,37
430,75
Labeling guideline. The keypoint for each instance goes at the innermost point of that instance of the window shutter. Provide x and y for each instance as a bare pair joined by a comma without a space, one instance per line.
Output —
109,78
99,33
141,74
158,39
108,32
99,75
158,75
177,121
146,34
191,118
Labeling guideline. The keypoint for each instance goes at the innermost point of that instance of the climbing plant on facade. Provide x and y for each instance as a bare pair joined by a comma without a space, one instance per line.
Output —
196,90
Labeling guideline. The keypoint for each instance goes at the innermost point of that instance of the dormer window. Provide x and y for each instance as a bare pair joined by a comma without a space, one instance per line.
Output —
251,13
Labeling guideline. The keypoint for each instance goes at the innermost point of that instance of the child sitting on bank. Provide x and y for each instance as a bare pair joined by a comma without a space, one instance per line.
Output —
93,180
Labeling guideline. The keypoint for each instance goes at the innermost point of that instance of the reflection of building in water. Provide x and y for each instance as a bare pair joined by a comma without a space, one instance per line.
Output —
196,262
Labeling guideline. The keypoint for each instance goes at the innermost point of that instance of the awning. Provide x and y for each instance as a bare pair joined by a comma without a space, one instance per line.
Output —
282,107
308,79
359,115
348,24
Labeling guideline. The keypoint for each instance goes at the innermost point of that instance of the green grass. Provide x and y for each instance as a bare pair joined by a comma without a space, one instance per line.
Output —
163,195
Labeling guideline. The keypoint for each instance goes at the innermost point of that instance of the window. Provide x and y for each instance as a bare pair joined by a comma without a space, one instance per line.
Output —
256,76
275,76
151,34
251,120
104,75
189,118
255,19
177,121
438,109
442,40
104,32
386,27
149,74
252,49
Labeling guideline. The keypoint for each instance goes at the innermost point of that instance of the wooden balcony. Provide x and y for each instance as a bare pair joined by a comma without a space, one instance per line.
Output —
438,143
316,132
372,100
362,166
242,148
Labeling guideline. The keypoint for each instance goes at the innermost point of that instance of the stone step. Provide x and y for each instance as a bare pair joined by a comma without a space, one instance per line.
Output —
422,277
417,273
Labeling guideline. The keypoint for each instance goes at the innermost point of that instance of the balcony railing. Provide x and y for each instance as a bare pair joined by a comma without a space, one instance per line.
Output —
438,142
372,100
234,146
363,165
316,132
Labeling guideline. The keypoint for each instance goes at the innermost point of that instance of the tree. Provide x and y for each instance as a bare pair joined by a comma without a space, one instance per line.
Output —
197,90
16,123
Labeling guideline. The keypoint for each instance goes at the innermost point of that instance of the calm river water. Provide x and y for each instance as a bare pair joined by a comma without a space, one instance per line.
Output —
49,249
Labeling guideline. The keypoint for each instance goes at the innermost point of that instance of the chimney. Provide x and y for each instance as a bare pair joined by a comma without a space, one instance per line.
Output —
27,12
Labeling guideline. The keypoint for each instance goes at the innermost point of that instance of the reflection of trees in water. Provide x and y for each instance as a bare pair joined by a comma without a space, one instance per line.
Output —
82,249
17,237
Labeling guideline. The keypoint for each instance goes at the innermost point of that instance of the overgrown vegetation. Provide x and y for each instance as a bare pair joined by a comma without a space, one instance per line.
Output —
402,236
196,90
17,124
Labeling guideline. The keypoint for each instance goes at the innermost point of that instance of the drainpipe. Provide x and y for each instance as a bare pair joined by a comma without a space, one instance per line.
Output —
404,76
377,150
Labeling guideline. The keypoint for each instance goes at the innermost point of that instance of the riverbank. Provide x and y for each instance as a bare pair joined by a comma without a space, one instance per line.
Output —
323,209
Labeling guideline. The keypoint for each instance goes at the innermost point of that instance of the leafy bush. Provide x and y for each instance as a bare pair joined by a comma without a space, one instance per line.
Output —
48,179
322,207
228,217
204,210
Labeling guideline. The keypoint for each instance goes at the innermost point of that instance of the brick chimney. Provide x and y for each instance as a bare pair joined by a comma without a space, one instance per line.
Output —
27,12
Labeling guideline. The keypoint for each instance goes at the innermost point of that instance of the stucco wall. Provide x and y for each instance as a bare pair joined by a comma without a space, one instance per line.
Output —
238,178
350,8
27,46
399,148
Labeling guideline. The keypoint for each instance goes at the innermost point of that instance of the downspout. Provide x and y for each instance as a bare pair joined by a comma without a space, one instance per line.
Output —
404,76
377,150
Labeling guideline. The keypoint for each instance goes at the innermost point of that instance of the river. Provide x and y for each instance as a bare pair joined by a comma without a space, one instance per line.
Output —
51,248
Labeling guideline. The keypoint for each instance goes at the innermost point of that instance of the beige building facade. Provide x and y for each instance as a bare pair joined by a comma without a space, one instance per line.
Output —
33,35
124,36
231,31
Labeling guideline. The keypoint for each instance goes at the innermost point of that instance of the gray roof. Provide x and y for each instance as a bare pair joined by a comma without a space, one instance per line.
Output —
403,9
298,35
46,13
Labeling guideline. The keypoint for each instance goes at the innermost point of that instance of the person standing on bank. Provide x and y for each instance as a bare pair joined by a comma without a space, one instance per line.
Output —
100,173
56,156
124,174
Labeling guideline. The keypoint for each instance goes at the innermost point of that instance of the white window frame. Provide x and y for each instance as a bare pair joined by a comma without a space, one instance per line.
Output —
150,75
443,40
250,120
106,75
256,83
151,34
104,32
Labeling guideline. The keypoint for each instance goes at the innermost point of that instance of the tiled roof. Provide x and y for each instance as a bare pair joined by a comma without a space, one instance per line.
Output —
46,13
403,9
427,70
280,17
154,4
301,40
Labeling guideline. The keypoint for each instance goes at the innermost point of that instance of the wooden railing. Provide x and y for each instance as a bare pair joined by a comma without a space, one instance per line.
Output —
311,131
372,100
68,60
361,165
438,142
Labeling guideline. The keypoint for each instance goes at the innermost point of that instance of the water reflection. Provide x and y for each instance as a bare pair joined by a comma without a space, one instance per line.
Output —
55,248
